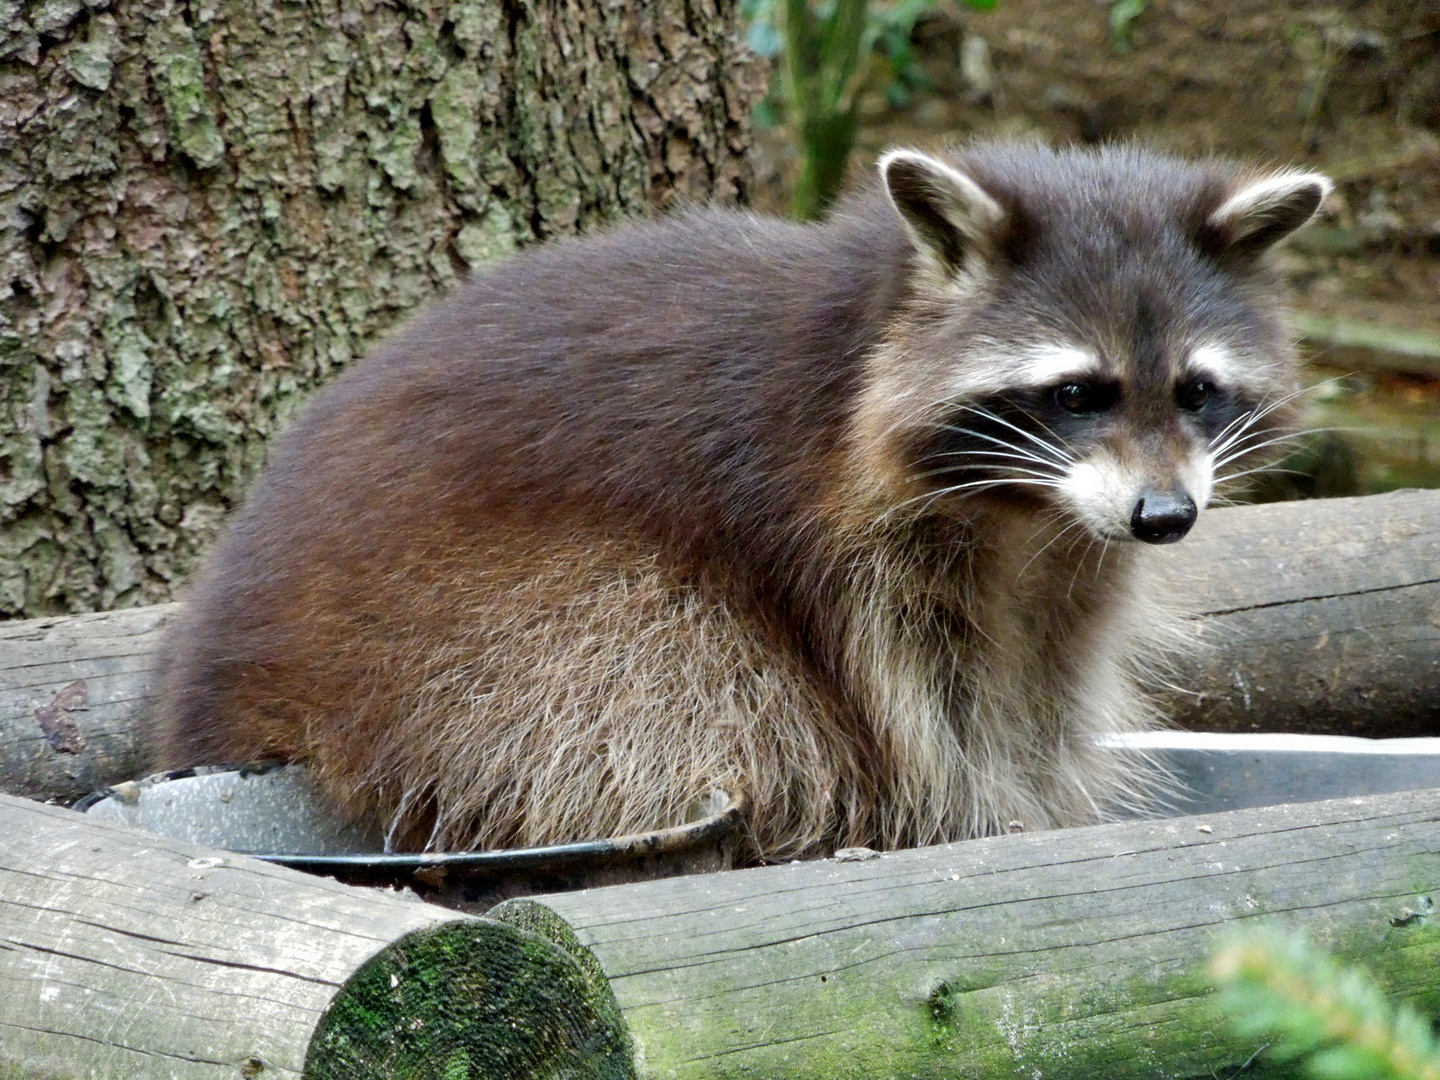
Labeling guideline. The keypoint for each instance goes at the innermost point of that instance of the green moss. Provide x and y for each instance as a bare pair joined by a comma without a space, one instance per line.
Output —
455,106
490,238
11,1070
1060,1014
470,1000
180,76
89,61
535,918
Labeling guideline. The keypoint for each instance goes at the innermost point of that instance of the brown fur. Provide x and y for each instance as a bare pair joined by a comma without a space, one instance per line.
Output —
630,518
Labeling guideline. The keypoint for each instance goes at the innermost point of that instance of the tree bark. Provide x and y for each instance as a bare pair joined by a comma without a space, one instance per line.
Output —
208,209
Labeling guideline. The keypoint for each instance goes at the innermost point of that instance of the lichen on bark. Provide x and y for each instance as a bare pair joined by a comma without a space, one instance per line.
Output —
210,207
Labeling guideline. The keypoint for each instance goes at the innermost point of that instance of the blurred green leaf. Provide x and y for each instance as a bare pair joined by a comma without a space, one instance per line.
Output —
1335,1018
1123,14
825,53
764,38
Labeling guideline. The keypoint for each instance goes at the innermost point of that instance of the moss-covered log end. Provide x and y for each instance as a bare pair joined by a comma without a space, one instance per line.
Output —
472,1000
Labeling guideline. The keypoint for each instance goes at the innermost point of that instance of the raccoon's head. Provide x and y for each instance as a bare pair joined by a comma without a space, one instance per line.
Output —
1088,331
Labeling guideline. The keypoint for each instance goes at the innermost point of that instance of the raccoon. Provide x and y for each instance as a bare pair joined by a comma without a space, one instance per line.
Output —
850,519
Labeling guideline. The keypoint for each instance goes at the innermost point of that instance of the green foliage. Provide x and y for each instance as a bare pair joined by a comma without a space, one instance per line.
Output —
1123,14
829,53
1334,1017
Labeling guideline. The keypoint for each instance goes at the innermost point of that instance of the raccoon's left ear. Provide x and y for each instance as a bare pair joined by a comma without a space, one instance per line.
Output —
1263,212
949,215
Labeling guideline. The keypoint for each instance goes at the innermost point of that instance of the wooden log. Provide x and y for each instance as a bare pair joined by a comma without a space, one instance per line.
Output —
125,955
1319,617
73,692
1077,954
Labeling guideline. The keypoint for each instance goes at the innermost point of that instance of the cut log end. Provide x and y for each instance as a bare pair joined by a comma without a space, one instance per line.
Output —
479,998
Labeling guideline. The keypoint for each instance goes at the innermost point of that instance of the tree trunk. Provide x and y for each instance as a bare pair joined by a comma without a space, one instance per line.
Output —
208,209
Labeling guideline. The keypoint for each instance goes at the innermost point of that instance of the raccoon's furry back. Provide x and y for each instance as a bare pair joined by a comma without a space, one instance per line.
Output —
623,521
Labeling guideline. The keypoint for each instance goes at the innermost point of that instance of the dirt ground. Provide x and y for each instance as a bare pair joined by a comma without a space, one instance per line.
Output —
1352,89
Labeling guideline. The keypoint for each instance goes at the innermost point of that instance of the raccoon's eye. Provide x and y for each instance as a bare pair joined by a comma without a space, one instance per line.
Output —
1194,394
1085,397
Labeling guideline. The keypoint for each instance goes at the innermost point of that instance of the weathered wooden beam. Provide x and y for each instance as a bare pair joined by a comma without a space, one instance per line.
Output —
1319,616
1077,954
73,691
126,955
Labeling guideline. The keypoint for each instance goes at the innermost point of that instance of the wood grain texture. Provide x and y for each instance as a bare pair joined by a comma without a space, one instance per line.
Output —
111,657
126,955
1319,616
1078,953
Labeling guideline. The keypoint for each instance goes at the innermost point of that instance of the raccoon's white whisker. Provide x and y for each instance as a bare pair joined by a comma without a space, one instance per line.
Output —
1273,441
1009,469
1082,535
931,496
1046,547
1056,447
1252,441
1020,456
973,486
1237,427
1100,562
1261,410
1283,437
1257,469
1046,521
1007,445
1040,482
1243,442
1001,467
1243,418
1237,431
1051,448
1080,563
1217,447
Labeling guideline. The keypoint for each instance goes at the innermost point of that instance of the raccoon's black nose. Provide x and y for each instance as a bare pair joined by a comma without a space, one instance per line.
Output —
1162,517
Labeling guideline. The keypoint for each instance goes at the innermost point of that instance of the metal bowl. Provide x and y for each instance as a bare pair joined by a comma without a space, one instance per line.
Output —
275,813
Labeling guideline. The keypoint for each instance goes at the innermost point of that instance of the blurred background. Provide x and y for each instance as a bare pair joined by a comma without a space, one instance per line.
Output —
1350,89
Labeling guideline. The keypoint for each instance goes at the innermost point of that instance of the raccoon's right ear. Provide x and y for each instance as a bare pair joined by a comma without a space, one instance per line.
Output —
948,214
1261,213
